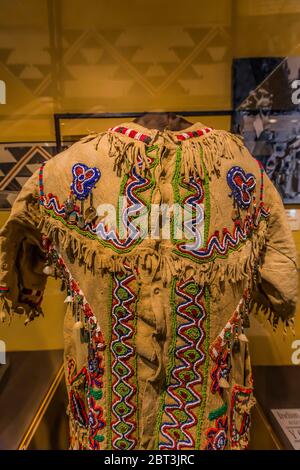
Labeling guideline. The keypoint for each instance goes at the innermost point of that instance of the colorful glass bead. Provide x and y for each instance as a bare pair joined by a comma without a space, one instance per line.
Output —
84,180
242,185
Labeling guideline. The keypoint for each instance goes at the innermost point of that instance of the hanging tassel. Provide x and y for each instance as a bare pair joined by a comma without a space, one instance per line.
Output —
48,270
236,347
243,337
68,299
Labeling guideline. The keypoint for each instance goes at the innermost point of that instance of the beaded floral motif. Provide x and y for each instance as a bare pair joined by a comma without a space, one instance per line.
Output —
77,397
124,389
185,385
217,435
84,180
240,418
219,343
242,185
220,370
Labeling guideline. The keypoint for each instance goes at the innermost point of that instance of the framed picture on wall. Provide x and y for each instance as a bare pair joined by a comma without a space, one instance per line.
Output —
267,114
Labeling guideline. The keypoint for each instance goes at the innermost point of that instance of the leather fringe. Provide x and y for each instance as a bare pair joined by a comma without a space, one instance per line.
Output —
267,315
8,310
214,146
148,258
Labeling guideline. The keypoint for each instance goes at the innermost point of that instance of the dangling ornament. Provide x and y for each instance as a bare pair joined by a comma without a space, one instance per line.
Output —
243,337
48,270
68,299
90,213
236,347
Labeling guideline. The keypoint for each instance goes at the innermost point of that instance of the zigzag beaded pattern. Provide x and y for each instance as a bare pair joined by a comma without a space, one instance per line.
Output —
134,206
182,394
220,246
195,222
123,352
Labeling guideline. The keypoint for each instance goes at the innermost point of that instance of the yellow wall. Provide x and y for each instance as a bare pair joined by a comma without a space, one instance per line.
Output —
152,55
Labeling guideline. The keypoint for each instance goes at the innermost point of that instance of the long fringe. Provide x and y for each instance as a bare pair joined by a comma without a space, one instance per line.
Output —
214,146
148,259
266,315
8,310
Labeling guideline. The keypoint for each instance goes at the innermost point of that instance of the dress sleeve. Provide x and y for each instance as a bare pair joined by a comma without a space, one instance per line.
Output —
22,281
277,289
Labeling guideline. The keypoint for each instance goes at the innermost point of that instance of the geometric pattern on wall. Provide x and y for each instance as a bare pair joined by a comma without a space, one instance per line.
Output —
17,163
123,60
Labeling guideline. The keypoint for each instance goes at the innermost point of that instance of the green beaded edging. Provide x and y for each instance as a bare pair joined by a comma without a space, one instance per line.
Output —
218,412
206,369
171,364
150,185
176,184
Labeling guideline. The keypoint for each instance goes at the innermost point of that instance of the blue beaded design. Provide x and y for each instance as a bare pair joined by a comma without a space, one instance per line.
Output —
242,185
84,180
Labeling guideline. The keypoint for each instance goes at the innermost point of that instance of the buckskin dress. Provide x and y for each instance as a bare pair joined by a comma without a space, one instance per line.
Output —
155,345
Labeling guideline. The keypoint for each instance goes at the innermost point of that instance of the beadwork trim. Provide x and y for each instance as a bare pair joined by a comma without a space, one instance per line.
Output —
4,290
241,402
95,370
217,245
220,341
190,134
217,435
124,386
205,373
183,394
132,187
218,412
132,133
